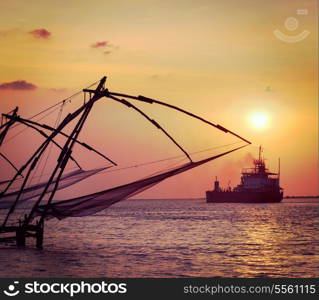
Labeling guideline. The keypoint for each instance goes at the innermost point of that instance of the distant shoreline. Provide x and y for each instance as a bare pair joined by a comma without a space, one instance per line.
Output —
293,197
201,198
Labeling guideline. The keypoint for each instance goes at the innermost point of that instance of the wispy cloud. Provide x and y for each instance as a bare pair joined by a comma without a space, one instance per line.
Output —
58,90
269,89
105,46
160,76
100,44
17,85
40,33
10,32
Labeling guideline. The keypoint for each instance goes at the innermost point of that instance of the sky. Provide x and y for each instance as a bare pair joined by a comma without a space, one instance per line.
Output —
223,60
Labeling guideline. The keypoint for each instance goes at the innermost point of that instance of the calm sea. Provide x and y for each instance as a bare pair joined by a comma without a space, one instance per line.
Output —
176,238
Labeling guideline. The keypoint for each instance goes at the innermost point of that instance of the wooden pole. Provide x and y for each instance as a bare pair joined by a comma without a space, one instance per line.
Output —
39,235
20,236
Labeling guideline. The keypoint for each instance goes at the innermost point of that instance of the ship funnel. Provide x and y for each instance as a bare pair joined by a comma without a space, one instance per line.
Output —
216,185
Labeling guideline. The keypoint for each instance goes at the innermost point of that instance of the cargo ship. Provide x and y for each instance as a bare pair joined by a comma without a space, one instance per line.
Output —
257,185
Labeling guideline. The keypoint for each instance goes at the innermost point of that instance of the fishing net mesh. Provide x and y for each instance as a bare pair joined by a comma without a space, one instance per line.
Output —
36,190
93,203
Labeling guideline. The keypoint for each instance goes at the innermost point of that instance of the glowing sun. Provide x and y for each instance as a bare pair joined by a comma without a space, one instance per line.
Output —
259,120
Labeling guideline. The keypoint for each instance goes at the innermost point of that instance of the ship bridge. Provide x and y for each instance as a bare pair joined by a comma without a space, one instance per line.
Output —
258,177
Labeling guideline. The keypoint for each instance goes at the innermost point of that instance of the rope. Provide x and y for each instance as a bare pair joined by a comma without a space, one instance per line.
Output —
150,162
26,128
41,158
167,159
50,148
58,103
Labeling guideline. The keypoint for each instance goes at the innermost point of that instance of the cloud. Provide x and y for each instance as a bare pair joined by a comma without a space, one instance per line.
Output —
269,89
58,90
160,76
17,85
106,47
40,33
9,32
100,44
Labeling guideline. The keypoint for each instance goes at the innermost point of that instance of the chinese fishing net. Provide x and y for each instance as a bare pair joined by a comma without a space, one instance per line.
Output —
93,203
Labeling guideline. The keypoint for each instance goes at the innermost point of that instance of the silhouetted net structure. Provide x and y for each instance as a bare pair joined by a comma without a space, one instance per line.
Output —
36,190
93,203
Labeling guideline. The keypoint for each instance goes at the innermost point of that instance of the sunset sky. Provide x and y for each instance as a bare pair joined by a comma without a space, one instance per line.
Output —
218,59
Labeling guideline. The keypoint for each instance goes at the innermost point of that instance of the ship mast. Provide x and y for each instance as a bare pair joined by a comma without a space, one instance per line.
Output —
260,153
278,170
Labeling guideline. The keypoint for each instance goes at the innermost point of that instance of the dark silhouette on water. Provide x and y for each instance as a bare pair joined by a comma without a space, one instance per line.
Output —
258,185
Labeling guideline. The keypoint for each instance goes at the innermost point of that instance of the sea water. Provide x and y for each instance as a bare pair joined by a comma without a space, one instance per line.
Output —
176,238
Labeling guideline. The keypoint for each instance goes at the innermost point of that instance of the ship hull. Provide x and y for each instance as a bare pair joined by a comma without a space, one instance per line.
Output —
243,197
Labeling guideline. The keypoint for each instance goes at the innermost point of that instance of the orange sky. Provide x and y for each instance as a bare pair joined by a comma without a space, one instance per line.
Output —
219,59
